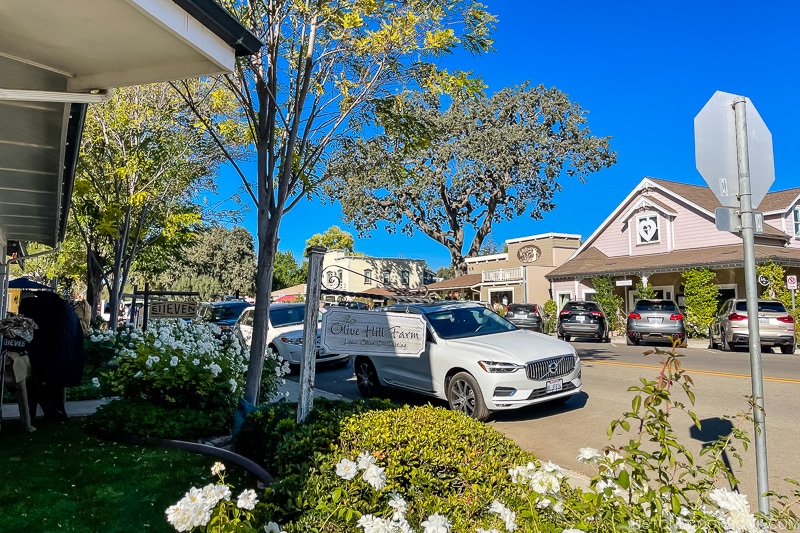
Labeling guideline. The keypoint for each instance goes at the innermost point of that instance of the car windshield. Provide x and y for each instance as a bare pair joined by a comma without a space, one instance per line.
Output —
528,308
287,316
467,322
224,312
763,307
654,305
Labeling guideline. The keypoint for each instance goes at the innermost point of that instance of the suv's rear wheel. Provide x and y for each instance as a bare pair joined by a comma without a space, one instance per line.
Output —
724,344
464,394
367,378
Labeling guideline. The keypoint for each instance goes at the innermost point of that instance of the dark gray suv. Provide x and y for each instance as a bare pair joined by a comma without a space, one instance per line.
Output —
656,320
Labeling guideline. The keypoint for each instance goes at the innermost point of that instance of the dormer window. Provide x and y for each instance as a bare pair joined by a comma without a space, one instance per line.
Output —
797,221
647,230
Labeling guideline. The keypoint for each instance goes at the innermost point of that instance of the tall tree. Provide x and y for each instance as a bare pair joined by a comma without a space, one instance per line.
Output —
328,69
333,238
143,159
221,262
287,273
485,160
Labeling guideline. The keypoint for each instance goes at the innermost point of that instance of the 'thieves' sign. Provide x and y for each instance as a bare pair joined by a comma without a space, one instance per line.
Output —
372,333
173,310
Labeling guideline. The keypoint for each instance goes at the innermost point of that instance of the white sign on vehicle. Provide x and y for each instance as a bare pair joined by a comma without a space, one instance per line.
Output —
372,333
791,283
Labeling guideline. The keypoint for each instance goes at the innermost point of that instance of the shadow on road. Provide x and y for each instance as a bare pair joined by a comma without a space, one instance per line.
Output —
542,410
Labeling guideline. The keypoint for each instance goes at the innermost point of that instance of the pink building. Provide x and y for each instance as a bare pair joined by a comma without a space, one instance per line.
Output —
663,228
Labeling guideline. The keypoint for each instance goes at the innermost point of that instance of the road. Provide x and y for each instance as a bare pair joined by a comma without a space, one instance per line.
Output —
721,384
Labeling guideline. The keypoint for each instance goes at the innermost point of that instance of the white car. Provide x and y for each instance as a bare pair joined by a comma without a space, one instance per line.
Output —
476,360
284,333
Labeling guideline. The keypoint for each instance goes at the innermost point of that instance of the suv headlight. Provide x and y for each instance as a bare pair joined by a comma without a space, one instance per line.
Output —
498,367
297,341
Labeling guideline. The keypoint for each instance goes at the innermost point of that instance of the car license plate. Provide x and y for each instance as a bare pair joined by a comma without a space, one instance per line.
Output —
654,319
763,320
554,385
579,318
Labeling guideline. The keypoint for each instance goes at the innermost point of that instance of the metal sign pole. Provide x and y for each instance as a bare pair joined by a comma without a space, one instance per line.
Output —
751,291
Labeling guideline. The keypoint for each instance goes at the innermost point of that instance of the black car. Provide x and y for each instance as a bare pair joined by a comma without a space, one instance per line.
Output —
582,319
526,316
224,314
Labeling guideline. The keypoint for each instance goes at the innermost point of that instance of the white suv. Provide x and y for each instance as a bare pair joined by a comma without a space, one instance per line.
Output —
476,360
284,333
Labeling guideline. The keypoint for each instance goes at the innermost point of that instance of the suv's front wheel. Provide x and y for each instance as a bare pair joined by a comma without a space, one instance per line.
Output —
367,378
464,394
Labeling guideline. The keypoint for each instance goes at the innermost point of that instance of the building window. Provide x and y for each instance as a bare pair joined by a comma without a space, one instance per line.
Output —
404,277
368,277
647,229
386,277
797,221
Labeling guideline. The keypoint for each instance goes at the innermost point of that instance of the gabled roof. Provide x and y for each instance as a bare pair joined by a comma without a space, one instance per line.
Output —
701,198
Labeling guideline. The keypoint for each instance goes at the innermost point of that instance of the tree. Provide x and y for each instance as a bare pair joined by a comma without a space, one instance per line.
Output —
330,69
334,238
490,247
287,273
701,293
445,272
479,162
644,291
610,303
221,262
142,161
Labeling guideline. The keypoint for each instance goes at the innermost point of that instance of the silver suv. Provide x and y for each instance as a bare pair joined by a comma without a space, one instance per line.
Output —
729,328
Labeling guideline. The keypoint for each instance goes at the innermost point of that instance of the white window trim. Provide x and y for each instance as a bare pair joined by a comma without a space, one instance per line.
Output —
368,277
796,221
588,291
639,217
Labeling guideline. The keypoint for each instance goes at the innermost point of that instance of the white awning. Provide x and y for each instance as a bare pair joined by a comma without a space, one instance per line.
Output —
54,52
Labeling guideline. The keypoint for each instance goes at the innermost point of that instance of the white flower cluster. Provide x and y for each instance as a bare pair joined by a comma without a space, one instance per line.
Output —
373,474
732,508
195,508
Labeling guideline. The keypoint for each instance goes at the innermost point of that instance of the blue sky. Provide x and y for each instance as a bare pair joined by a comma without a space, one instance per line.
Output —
643,70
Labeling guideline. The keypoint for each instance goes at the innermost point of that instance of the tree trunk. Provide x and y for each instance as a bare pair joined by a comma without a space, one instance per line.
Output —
94,278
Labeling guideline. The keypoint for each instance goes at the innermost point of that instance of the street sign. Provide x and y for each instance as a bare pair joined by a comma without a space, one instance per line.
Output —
715,150
791,283
763,281
728,219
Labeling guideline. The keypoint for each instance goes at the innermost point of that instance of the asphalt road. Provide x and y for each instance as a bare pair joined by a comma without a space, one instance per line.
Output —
721,383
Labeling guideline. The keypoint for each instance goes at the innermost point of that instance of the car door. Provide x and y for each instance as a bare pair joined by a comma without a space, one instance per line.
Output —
413,373
244,328
717,323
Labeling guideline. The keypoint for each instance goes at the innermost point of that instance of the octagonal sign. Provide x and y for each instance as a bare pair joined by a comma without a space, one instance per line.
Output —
715,150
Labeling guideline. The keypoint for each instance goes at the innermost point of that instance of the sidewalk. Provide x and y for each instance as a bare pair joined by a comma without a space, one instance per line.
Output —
290,389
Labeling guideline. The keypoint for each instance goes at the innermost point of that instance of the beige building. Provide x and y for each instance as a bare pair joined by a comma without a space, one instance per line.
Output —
361,273
518,275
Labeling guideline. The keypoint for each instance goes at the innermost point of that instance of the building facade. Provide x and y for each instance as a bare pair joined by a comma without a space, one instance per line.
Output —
519,275
663,228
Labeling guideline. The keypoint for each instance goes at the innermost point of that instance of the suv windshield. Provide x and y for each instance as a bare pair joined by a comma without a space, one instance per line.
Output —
287,316
467,322
763,307
582,306
529,308
656,305
215,313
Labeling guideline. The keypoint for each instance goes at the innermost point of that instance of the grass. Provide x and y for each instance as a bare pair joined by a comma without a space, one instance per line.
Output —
63,478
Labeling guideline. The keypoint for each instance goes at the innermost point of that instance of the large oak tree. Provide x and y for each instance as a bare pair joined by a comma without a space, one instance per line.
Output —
460,170
329,69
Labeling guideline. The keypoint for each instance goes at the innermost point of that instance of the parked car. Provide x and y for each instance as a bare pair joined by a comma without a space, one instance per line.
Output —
655,320
526,316
284,333
223,314
729,328
581,318
354,305
475,360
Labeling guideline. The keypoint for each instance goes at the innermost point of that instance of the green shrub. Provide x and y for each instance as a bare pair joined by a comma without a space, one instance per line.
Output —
550,316
139,417
610,303
701,300
439,461
272,437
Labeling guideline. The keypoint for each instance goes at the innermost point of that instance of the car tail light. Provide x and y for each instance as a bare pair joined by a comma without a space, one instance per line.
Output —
635,316
737,316
788,319
676,316
596,313
565,312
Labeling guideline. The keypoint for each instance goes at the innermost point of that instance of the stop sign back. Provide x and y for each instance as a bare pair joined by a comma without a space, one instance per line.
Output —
715,150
